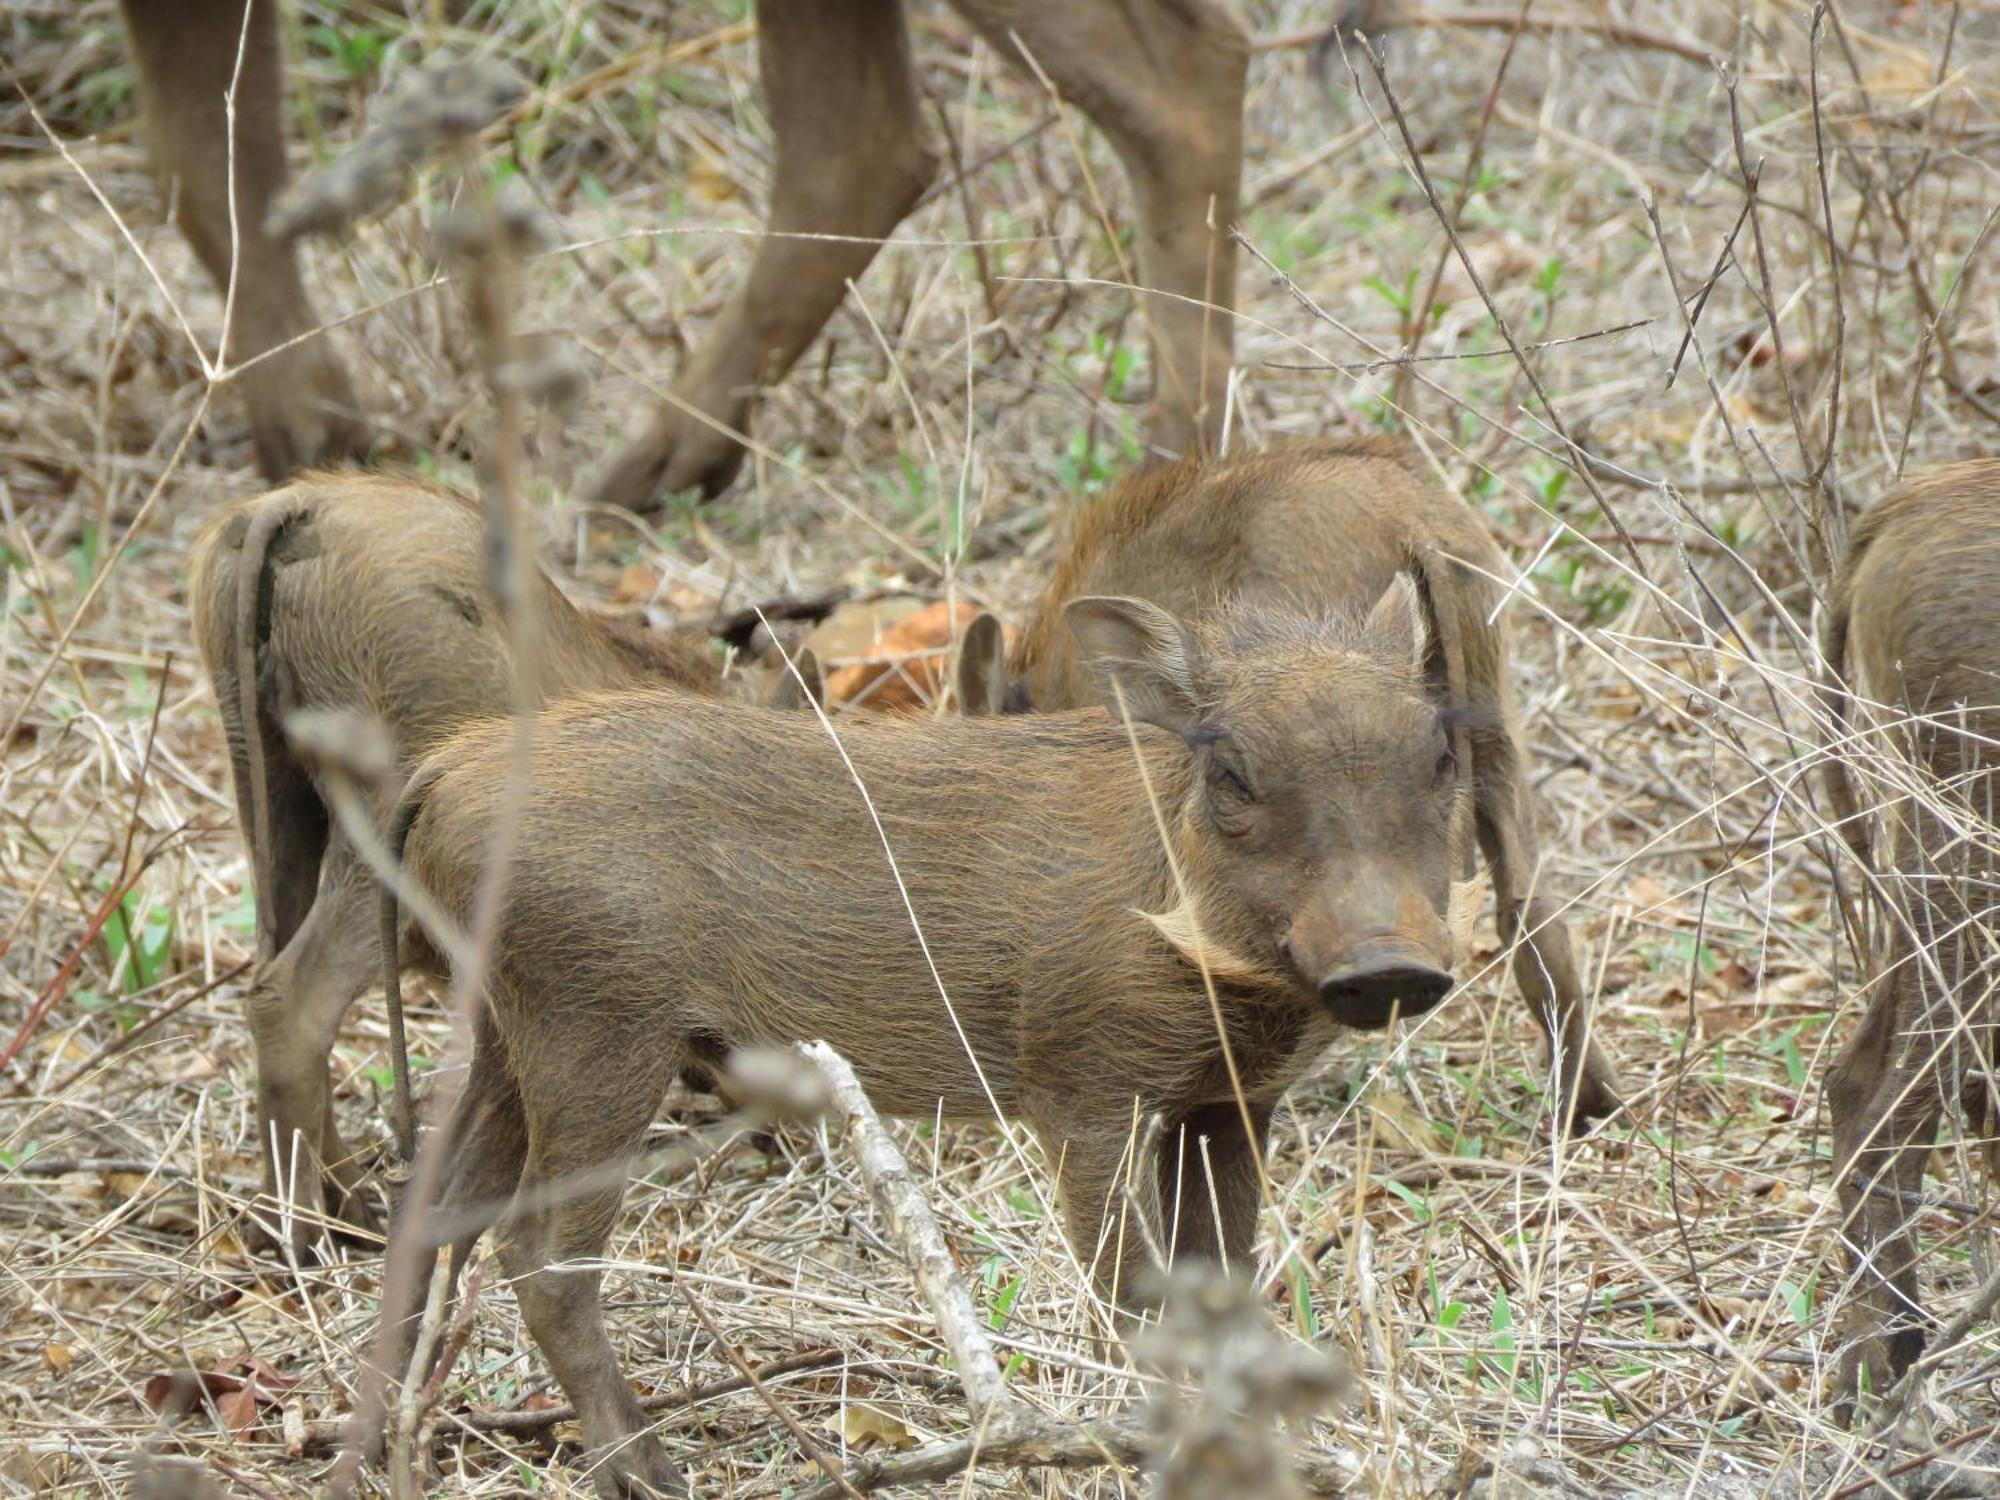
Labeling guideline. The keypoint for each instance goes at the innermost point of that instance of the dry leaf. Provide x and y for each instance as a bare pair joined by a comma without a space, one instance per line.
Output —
123,1185
66,1049
903,666
37,1473
708,181
1399,1127
854,627
1896,77
1724,1310
636,584
864,1427
227,1248
235,1391
1789,1198
238,1410
1646,893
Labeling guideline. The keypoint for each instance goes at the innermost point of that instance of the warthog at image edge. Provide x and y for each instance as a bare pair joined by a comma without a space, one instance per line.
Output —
1915,629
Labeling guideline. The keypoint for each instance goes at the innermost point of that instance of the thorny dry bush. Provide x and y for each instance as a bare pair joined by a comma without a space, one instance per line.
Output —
1650,1308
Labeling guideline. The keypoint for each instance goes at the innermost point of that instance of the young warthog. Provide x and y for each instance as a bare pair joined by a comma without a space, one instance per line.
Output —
1328,522
1915,627
364,594
1163,79
694,877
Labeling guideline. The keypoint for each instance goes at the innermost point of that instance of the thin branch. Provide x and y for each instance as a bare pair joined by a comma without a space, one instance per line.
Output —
900,1202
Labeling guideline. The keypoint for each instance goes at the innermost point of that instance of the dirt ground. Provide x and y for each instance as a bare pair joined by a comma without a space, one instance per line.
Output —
1649,1309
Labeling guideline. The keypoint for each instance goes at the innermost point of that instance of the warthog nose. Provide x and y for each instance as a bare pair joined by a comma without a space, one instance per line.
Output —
1368,994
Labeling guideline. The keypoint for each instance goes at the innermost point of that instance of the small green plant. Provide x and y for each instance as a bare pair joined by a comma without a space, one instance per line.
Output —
356,49
1445,1315
380,1072
1416,1202
1402,298
126,1015
1003,1303
1118,363
85,554
1799,1300
1506,1363
1082,465
1298,1286
143,936
1786,1047
1676,953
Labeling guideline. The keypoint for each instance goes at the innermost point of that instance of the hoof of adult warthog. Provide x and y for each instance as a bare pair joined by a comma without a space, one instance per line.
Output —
302,411
1870,1366
1596,1094
350,1219
678,452
638,1470
348,1208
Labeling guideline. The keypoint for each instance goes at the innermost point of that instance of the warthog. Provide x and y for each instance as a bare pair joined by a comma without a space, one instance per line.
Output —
1915,628
1329,522
363,594
694,877
1164,80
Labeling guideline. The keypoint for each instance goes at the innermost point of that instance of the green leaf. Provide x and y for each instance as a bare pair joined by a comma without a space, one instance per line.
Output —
1396,297
1003,1304
1417,1205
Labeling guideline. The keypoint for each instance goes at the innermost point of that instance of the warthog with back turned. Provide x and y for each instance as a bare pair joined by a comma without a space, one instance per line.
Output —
1330,522
1915,627
1163,79
694,877
364,594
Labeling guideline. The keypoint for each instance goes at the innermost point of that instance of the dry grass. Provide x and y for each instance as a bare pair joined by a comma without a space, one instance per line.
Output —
1652,1306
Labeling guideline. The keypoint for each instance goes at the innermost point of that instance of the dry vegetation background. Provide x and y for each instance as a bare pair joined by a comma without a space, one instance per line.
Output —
1653,1307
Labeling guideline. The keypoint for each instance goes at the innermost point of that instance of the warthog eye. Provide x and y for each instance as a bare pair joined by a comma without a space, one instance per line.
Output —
1447,762
1230,784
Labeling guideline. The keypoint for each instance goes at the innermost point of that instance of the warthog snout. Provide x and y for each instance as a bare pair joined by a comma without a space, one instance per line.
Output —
1383,984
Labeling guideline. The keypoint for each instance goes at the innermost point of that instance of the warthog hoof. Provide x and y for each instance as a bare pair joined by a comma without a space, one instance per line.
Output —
1870,1365
349,1199
677,452
637,1469
302,411
1597,1093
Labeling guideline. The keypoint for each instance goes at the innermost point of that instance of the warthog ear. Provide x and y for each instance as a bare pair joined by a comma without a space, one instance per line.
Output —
1141,652
981,680
786,692
1397,623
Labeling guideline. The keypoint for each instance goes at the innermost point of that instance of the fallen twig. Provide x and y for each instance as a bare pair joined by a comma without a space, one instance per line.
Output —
828,1464
1498,18
897,1197
1005,1431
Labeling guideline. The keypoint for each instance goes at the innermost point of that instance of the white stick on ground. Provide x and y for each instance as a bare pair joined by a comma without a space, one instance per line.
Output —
1005,1432
896,1195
